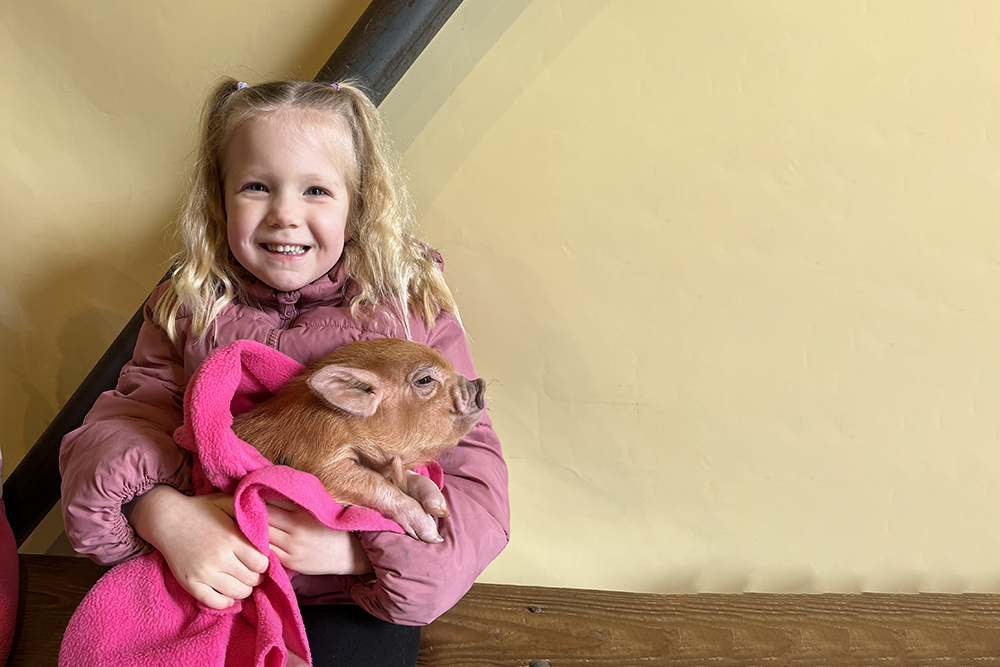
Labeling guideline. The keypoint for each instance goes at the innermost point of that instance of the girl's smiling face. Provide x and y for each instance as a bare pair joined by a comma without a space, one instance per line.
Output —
286,196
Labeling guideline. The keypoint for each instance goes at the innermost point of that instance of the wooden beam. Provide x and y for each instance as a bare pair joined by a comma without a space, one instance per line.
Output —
520,625
378,50
517,626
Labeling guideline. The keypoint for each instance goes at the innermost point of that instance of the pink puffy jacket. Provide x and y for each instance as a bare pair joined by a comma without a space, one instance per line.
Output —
125,446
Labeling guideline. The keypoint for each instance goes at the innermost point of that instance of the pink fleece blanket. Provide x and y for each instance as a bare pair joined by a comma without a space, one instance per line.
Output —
138,614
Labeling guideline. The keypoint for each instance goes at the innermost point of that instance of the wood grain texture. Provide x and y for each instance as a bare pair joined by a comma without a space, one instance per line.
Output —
51,588
514,625
495,625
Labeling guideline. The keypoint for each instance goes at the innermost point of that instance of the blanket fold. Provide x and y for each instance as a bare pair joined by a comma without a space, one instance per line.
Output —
138,614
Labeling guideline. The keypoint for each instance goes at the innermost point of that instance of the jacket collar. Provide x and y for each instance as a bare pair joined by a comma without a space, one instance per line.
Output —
331,289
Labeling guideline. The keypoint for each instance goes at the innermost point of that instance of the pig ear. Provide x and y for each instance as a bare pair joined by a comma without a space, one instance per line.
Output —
353,390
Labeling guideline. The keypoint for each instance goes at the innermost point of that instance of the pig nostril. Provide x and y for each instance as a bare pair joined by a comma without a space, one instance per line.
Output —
480,391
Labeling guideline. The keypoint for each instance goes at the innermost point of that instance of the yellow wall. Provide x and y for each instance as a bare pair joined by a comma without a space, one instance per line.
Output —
97,121
730,268
732,271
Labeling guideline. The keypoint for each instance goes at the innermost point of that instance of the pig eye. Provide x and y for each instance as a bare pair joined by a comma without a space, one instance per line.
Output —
425,380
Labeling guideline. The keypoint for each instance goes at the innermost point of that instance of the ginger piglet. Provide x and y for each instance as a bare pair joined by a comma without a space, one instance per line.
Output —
363,415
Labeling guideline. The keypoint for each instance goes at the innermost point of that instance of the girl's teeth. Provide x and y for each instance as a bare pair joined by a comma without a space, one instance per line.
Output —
286,249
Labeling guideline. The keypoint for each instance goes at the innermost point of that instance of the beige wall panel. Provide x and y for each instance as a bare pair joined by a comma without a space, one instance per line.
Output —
96,127
731,272
730,268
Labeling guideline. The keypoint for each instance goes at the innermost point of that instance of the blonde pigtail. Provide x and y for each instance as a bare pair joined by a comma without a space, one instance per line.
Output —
392,267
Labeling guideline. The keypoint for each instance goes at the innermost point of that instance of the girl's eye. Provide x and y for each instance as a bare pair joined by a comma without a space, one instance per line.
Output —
255,187
316,192
427,379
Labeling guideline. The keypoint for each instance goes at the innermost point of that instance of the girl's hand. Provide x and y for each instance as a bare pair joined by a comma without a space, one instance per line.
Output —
201,544
303,544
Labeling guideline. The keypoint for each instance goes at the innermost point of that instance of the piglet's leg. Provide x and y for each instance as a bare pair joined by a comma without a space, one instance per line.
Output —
351,483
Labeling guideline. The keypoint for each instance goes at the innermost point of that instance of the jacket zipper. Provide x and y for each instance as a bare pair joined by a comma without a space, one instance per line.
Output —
287,315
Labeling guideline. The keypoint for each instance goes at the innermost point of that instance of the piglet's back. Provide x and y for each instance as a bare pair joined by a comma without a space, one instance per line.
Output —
379,403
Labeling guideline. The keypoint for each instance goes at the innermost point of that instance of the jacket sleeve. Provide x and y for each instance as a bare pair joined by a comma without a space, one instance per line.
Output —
416,582
124,447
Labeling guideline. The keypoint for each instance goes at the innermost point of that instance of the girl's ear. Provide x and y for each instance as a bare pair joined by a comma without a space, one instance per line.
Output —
355,391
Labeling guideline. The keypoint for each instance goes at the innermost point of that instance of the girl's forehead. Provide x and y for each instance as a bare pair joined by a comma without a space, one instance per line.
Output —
316,128
310,124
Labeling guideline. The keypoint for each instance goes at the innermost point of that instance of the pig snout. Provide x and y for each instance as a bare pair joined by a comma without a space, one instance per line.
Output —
480,392
469,395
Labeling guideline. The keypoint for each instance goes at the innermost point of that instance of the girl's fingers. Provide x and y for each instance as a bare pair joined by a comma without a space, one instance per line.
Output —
209,597
230,587
247,578
254,561
282,555
281,518
226,503
284,504
279,538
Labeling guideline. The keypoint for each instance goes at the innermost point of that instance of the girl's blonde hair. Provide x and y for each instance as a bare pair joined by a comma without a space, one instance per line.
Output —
392,268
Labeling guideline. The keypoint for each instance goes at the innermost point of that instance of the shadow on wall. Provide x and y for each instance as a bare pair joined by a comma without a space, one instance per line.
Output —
56,324
318,42
55,329
549,410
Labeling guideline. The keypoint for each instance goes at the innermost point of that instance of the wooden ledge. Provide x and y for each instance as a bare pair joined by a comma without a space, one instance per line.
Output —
515,625
512,625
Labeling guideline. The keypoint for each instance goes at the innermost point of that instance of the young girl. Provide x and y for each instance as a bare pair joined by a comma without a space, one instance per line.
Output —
296,233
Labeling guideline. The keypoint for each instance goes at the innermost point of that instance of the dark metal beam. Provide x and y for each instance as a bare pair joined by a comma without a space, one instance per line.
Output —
384,43
378,50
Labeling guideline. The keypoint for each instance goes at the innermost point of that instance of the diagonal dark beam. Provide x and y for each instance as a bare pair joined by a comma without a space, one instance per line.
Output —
378,50
384,43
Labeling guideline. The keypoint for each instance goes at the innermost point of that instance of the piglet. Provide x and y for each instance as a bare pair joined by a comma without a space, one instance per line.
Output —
362,416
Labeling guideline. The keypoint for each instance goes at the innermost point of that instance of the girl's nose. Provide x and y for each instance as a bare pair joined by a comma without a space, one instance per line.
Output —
283,213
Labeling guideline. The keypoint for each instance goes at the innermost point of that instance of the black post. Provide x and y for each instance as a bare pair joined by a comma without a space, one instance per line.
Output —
384,43
378,50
